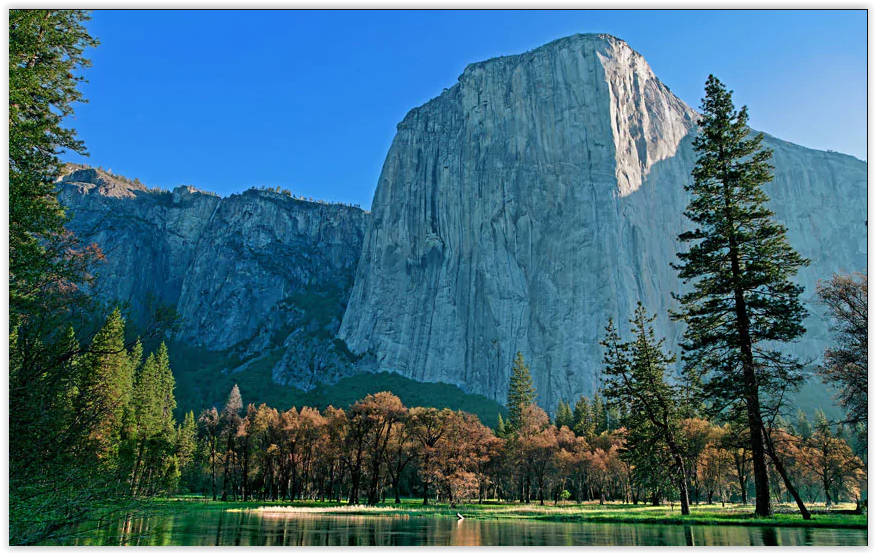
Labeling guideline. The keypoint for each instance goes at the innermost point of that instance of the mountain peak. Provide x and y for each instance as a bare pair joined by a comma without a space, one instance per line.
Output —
104,182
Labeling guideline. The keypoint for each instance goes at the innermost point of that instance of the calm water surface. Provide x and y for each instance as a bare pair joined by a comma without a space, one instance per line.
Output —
295,529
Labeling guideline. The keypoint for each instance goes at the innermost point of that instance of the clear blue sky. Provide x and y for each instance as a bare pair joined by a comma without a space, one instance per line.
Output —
226,100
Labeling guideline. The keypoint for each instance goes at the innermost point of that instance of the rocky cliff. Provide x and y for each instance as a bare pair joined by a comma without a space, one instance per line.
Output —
254,275
543,194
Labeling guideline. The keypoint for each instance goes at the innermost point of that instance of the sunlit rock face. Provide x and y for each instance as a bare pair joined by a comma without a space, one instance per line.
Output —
254,274
541,195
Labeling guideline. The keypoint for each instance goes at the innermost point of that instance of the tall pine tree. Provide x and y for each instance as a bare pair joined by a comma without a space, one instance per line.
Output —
521,392
739,267
105,393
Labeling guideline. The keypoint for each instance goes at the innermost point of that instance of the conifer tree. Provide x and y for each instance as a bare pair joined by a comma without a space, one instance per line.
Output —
599,414
583,419
738,266
802,426
46,50
165,388
187,442
564,416
521,392
501,431
635,376
105,395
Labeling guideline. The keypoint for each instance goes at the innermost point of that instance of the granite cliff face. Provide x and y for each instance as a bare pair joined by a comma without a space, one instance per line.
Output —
543,194
255,274
519,210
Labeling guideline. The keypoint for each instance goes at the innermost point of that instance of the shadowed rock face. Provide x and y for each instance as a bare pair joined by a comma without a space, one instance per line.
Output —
244,272
543,194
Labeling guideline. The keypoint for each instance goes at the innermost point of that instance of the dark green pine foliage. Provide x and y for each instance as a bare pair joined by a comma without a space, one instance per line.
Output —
583,425
564,416
636,377
45,55
739,264
521,393
599,414
802,426
501,431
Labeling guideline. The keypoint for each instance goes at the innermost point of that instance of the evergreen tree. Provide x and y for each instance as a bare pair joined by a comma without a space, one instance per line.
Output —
501,431
739,266
152,429
583,419
822,425
521,392
564,416
45,55
599,414
105,396
635,376
186,448
802,426
165,388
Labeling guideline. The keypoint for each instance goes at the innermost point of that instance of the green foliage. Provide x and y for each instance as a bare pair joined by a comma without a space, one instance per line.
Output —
187,447
151,439
802,427
501,431
204,378
104,395
583,424
564,415
739,266
45,51
739,262
521,392
107,436
599,413
635,376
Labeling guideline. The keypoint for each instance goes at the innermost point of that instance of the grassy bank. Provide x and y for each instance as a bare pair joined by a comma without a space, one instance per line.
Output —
715,514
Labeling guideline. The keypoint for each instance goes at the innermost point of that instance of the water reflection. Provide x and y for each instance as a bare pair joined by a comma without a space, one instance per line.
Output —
291,529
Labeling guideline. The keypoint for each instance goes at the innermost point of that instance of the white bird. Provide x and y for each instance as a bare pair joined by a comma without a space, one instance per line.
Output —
459,515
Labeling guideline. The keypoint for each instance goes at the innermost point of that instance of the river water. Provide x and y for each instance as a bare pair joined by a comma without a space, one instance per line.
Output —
296,529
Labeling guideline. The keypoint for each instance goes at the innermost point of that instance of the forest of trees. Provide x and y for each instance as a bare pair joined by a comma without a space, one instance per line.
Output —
379,450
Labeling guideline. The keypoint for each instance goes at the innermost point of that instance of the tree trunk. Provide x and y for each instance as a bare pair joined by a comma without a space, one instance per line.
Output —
213,465
780,467
426,457
752,395
682,486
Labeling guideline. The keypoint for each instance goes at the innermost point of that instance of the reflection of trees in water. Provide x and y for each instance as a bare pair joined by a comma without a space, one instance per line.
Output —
688,536
295,529
770,537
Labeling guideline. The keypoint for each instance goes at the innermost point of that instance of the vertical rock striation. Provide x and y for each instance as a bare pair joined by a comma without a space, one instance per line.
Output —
543,194
255,274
